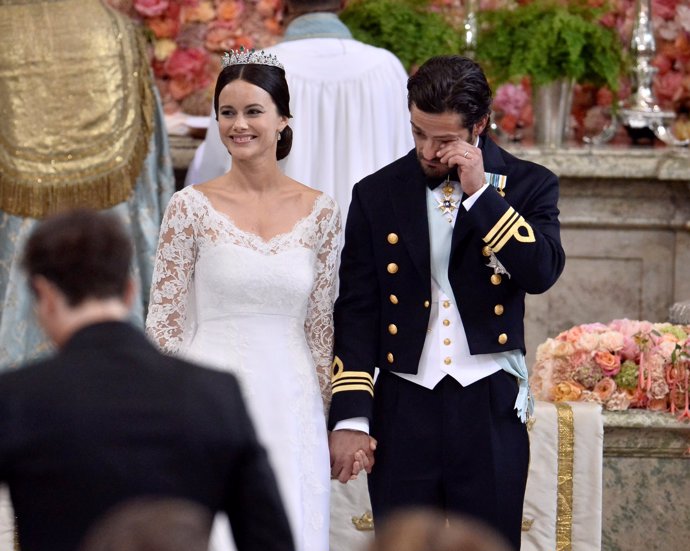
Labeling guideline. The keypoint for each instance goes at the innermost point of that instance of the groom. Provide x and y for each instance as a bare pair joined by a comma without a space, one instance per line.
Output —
441,247
109,418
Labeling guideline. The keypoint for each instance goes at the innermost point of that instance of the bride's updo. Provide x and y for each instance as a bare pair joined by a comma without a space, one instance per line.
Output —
270,78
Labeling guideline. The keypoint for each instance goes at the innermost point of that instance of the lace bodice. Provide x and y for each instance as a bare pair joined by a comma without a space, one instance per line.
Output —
208,269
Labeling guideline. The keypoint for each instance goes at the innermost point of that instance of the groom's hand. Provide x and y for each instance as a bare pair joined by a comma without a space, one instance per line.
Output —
344,446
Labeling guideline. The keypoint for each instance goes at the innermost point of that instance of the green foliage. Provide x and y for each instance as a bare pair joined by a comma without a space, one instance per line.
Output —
405,27
548,41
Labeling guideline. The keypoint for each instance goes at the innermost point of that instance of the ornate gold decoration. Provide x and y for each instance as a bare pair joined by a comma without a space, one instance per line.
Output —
342,380
527,524
448,204
566,448
507,227
78,115
365,522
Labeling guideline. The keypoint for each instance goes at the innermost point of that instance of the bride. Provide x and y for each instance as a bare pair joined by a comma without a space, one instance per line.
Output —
244,281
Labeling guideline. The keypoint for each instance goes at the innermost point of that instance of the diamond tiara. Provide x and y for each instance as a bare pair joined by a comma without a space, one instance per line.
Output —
246,57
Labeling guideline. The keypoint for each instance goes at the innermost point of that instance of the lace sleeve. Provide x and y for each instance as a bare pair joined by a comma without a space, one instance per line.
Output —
319,322
172,276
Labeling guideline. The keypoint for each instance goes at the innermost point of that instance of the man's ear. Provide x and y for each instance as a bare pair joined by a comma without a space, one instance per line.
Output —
130,293
481,125
45,291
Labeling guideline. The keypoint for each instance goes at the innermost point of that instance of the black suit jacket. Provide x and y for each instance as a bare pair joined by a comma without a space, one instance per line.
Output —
110,418
382,311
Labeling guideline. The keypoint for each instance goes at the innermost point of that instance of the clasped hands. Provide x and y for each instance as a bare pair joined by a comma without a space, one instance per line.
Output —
351,452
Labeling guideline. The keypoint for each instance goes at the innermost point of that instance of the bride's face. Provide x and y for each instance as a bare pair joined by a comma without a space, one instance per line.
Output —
248,120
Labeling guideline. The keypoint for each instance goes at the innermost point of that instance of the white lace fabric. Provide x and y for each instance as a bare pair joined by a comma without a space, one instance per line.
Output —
193,232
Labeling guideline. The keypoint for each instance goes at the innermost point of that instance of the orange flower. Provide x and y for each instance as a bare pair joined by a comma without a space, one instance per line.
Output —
658,404
610,363
568,391
230,10
604,389
181,87
220,37
164,27
203,12
245,41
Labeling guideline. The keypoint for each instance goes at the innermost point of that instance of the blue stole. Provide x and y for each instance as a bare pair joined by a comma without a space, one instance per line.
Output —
440,238
316,25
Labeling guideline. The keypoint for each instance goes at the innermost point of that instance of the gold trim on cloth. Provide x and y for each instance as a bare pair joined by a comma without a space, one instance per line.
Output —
76,105
566,448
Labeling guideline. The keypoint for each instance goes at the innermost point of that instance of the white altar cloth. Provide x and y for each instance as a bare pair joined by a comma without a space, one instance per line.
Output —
563,499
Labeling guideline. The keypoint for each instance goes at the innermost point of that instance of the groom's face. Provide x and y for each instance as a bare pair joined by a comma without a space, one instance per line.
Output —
431,131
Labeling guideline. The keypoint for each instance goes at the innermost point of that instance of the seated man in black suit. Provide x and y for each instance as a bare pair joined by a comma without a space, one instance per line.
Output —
109,418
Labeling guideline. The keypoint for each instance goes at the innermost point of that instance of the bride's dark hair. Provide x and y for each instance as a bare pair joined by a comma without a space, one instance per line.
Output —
269,78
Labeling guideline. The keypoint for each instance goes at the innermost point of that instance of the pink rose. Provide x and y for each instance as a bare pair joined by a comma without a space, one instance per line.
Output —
511,99
610,363
612,341
604,389
669,87
188,63
220,36
618,401
151,8
665,9
630,350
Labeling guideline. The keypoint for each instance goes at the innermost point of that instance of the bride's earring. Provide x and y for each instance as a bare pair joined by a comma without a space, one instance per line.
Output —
278,133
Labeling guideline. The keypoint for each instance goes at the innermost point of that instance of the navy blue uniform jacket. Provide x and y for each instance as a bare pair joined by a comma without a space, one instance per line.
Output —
382,311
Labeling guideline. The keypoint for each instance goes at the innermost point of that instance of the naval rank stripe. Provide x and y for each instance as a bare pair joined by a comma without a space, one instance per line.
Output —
507,227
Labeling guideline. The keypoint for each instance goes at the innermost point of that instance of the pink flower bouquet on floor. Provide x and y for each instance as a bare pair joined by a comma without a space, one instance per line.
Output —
625,364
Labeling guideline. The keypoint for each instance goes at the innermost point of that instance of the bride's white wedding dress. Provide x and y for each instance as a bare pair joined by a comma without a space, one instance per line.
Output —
262,310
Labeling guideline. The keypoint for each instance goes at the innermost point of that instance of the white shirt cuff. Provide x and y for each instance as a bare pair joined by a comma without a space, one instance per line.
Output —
467,203
355,423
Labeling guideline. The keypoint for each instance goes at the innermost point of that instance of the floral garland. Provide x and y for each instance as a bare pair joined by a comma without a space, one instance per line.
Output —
625,364
188,36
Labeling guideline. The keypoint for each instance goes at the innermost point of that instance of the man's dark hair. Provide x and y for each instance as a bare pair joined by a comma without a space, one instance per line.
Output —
300,7
85,253
451,83
271,79
151,524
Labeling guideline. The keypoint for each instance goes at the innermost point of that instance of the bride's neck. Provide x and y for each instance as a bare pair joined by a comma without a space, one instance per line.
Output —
256,176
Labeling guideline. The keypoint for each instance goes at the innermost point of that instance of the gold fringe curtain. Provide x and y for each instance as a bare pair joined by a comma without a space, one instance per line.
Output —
76,106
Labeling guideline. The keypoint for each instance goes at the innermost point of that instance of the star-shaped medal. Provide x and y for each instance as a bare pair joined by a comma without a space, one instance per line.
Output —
447,205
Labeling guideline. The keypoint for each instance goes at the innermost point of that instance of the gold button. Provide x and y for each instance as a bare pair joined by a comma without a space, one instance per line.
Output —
393,329
495,279
502,338
392,238
393,299
447,361
427,304
446,304
392,268
498,309
446,341
390,358
486,251
446,322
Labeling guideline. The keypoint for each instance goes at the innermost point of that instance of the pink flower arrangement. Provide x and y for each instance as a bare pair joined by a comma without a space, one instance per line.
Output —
188,38
625,364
